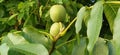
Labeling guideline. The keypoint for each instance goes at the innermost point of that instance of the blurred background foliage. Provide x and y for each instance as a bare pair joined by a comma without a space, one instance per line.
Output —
25,26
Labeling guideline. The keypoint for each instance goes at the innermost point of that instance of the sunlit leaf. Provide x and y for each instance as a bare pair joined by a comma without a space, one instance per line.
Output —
80,16
4,49
16,38
94,25
40,10
62,50
1,1
20,16
69,10
7,41
116,33
56,52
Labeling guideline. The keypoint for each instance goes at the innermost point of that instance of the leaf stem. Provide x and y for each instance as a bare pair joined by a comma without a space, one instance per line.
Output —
47,34
64,31
112,2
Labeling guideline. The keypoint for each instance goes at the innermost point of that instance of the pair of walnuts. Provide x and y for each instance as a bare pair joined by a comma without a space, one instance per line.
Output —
57,15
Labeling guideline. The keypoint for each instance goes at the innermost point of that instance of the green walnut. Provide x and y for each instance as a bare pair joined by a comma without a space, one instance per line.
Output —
57,13
56,28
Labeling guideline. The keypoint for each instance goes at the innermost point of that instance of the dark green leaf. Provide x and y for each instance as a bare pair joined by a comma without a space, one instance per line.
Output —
94,25
40,10
111,48
14,52
2,27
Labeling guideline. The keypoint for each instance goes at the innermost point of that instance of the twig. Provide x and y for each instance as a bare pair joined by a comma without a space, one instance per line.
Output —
53,47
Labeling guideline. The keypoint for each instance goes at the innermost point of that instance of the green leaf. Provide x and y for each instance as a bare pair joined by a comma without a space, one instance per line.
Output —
111,48
80,49
31,49
12,17
110,10
79,17
70,47
69,9
32,20
14,52
34,36
1,12
2,27
62,50
94,25
11,20
57,1
100,47
16,38
65,37
87,15
4,49
116,33
40,10
20,16
1,1
7,41
56,52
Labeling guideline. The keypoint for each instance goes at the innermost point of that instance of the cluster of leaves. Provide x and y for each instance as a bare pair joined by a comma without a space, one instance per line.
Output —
25,25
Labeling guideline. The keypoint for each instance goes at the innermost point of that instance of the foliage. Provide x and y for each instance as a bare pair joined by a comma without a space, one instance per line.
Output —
91,27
